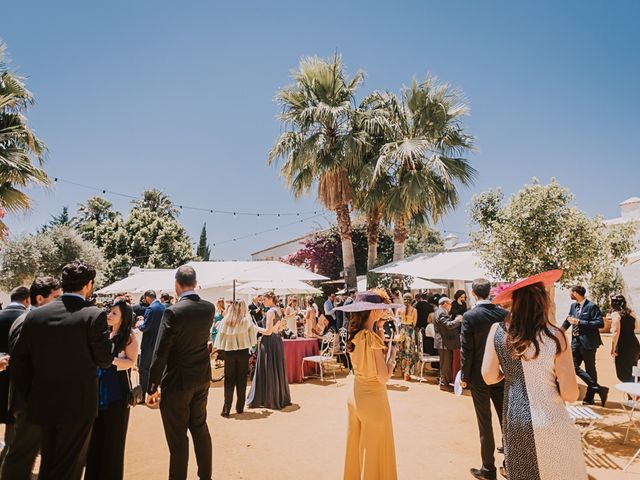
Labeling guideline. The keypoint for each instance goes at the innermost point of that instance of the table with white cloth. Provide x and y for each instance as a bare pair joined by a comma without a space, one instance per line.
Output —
632,389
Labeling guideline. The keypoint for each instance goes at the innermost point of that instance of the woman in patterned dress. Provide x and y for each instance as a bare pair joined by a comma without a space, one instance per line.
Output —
408,356
540,440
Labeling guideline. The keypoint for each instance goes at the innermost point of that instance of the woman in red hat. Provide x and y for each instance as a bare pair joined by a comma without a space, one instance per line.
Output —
531,354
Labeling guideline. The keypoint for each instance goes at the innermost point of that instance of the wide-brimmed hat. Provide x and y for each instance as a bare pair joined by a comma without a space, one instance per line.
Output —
369,300
547,278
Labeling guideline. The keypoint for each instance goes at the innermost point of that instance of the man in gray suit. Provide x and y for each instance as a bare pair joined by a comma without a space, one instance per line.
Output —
446,340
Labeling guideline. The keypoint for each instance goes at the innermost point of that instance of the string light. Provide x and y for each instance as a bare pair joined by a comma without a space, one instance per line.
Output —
188,207
274,229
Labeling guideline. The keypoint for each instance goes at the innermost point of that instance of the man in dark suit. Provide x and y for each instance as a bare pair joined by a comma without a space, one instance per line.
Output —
20,301
476,324
23,448
446,340
182,370
255,310
149,328
585,320
54,366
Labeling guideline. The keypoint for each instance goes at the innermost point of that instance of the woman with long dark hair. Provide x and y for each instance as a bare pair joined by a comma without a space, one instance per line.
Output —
370,450
625,347
105,459
270,386
532,356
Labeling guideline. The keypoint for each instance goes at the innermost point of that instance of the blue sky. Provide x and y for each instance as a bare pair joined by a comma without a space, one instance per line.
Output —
180,96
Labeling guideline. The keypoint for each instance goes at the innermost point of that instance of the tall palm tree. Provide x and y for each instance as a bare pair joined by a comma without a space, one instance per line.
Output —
19,146
158,202
422,156
319,145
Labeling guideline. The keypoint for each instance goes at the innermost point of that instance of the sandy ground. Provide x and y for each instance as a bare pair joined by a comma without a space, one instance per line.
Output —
435,433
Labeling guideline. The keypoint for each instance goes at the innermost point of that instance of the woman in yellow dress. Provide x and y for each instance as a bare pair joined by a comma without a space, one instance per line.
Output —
370,451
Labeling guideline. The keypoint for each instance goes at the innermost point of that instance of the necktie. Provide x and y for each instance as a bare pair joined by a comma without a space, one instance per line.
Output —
576,329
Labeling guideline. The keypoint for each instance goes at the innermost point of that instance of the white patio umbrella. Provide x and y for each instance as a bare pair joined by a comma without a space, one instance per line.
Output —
462,266
155,279
286,287
422,284
633,258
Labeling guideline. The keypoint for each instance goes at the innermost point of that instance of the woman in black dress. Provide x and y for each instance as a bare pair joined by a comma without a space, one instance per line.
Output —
459,304
625,347
270,386
105,459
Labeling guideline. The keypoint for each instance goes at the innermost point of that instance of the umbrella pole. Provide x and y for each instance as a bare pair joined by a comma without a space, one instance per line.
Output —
234,291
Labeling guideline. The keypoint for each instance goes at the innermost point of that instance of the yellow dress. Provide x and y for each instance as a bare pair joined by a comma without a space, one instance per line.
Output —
371,453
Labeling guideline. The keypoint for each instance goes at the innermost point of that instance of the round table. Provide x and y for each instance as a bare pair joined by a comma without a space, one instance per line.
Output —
630,388
295,350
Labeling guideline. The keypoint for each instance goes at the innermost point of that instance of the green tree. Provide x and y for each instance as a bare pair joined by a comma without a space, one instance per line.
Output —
157,202
319,146
421,160
149,237
90,214
61,219
45,254
423,239
540,229
203,251
19,146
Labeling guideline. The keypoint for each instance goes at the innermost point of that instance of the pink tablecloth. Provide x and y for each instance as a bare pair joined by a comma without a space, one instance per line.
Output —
294,351
455,368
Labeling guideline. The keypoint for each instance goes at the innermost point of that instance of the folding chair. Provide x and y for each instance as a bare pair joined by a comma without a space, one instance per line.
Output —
325,357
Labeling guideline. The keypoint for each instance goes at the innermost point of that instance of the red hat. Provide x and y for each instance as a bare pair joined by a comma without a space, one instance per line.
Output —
547,278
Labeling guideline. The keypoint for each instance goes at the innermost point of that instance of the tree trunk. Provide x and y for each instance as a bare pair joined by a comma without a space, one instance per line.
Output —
400,235
348,258
373,232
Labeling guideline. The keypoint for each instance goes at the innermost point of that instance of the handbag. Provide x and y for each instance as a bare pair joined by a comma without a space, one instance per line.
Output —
136,394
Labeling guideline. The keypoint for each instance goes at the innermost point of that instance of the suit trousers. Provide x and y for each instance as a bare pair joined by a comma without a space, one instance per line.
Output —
64,450
182,410
236,371
446,364
23,448
105,459
589,375
483,396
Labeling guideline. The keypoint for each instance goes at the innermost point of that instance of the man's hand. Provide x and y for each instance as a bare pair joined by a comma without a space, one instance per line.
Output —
573,321
153,399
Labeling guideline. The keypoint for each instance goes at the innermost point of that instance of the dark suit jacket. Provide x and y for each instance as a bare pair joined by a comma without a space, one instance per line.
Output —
56,358
590,322
476,324
181,357
150,328
7,317
446,330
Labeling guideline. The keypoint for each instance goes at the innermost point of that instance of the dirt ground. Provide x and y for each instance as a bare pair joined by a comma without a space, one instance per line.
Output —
435,433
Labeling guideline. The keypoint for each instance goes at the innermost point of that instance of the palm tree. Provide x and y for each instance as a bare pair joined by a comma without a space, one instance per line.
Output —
421,159
370,191
96,209
158,202
18,145
320,145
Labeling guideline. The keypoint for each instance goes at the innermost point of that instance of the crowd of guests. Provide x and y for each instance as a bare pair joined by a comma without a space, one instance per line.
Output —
66,388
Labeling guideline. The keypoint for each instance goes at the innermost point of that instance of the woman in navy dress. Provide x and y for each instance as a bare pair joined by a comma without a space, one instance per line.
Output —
270,387
105,459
